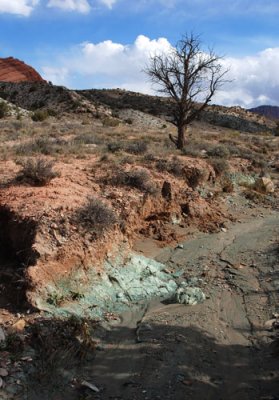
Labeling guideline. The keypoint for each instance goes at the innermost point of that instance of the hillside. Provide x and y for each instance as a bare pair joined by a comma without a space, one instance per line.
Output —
229,117
122,253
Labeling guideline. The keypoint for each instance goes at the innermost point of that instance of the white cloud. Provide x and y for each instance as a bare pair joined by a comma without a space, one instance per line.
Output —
255,79
108,64
19,7
81,6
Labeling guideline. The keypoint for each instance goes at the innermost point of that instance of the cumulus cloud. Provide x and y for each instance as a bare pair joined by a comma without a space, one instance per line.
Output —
254,79
19,7
108,63
81,6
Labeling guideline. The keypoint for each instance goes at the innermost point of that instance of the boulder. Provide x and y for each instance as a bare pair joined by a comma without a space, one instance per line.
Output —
264,185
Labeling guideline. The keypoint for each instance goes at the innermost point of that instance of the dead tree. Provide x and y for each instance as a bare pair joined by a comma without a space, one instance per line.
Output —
190,77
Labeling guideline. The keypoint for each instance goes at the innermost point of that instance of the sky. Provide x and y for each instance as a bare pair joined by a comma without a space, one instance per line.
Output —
107,43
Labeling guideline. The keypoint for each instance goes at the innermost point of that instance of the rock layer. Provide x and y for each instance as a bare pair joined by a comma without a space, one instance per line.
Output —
13,70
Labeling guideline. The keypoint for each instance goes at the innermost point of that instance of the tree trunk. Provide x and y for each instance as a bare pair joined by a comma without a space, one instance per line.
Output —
181,136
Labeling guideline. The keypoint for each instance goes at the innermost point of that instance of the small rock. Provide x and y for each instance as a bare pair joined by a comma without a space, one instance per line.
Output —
223,229
269,324
264,185
180,246
3,372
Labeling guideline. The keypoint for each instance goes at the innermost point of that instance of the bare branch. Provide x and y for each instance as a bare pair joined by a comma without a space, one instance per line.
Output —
189,76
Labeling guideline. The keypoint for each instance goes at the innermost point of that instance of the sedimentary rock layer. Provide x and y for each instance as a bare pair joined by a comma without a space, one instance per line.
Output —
13,70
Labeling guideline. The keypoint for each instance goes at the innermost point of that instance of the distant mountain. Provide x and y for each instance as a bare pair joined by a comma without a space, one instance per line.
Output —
268,111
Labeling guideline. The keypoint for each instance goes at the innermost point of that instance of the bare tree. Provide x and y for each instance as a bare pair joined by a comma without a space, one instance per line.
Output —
190,76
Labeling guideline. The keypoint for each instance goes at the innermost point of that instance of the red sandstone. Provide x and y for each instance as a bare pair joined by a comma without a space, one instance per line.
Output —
13,70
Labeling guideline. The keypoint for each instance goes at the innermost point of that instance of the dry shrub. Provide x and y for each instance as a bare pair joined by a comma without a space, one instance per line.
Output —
139,179
227,184
96,216
138,147
220,165
173,166
38,172
219,151
114,147
40,115
4,109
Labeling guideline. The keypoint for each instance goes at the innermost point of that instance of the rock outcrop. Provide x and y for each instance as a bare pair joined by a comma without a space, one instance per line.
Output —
13,70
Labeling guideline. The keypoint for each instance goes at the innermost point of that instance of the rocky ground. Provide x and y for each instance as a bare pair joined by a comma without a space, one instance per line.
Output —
173,293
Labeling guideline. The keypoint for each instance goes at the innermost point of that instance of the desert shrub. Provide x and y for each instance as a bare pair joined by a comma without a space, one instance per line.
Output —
39,145
38,172
96,216
4,109
227,184
193,149
51,112
88,138
149,157
173,166
138,147
259,162
39,115
219,151
114,147
161,165
194,177
139,179
220,165
3,95
234,150
110,122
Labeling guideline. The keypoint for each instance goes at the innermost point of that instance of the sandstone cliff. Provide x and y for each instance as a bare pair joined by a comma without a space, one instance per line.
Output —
13,70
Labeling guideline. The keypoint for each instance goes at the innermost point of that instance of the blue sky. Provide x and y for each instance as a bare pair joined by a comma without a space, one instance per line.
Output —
106,43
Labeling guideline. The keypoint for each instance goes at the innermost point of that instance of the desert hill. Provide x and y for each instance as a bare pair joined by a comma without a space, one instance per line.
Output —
229,117
14,70
123,105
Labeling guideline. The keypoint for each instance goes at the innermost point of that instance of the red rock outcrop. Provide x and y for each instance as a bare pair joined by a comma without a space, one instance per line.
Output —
13,70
